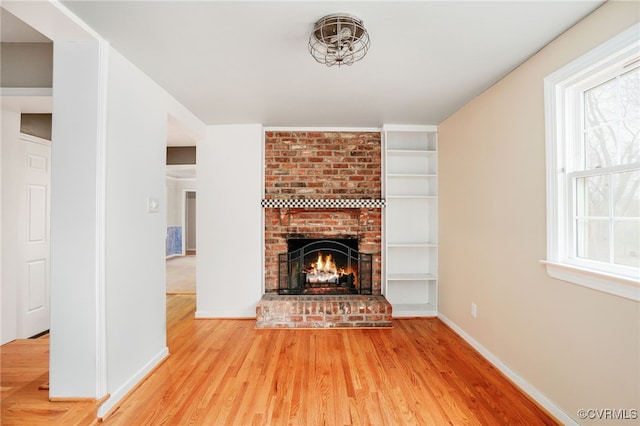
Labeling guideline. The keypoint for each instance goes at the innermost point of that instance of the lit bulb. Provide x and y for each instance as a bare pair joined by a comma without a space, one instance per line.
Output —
345,32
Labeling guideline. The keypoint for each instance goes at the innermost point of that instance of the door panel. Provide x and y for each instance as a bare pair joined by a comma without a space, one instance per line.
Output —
37,214
36,285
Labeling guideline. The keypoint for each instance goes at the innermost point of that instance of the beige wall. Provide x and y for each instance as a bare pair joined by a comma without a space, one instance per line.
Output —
579,347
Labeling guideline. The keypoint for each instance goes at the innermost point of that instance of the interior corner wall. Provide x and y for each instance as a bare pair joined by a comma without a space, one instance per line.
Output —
229,270
580,348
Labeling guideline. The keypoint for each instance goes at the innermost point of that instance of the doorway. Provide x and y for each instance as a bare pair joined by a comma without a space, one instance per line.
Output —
181,226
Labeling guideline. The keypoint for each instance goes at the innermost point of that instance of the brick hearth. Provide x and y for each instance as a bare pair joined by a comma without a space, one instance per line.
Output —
352,311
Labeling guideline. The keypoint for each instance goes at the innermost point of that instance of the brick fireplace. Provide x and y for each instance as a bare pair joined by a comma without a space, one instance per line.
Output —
322,185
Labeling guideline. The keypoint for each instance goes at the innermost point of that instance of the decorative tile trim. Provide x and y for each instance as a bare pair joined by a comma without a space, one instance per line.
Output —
315,203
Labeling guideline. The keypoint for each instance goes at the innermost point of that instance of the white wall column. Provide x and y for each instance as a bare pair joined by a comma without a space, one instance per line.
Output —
229,266
77,355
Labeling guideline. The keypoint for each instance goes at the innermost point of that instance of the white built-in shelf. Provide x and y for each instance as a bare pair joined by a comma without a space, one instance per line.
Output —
411,152
411,175
411,277
411,245
409,197
410,255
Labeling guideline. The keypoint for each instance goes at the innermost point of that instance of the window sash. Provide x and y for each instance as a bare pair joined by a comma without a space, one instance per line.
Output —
573,145
573,216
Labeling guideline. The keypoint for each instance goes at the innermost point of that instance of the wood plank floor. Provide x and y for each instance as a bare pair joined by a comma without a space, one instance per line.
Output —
24,376
227,372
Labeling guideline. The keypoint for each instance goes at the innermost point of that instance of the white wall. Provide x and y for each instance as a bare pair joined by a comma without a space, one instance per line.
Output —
8,169
578,347
229,268
173,202
135,244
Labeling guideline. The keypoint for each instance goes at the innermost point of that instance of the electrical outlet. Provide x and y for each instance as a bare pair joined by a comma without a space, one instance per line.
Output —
474,310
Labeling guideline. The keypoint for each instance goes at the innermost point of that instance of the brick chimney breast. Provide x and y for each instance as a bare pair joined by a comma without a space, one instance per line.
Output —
322,165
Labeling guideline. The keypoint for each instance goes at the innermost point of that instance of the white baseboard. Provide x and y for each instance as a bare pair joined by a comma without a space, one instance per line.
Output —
132,383
525,386
413,314
226,314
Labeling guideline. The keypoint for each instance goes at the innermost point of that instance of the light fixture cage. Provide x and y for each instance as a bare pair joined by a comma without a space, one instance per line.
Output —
338,39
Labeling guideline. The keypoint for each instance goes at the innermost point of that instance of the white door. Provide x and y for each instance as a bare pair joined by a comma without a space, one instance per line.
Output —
33,222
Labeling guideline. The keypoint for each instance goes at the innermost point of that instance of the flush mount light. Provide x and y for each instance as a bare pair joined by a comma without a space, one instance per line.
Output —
338,40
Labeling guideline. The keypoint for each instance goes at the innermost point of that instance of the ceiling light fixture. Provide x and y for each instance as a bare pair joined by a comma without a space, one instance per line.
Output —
338,40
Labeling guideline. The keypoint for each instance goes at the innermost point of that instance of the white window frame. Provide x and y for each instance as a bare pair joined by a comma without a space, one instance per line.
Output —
560,90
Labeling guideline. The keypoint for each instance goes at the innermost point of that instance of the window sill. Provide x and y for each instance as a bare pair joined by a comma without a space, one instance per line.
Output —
612,284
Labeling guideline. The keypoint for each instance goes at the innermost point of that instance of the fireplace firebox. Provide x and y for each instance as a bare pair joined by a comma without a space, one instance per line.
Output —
324,267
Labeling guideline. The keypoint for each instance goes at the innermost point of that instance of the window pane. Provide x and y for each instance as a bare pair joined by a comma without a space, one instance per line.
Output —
593,239
630,94
612,122
626,194
592,196
600,104
627,243
600,149
629,143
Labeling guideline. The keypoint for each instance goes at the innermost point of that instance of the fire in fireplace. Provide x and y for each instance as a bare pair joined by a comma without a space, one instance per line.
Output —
324,266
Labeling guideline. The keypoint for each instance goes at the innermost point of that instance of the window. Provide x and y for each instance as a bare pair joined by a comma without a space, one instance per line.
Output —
592,111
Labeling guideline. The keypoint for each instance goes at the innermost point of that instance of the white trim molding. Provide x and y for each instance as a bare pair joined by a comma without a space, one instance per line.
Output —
613,284
321,129
100,220
112,402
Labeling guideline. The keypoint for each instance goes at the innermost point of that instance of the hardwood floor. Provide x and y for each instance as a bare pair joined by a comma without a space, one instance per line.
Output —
227,372
24,392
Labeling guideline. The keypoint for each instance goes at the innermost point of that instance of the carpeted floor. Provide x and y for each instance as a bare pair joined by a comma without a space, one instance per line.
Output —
181,275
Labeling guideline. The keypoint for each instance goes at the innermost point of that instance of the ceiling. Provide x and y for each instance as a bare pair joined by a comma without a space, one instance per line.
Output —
235,62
